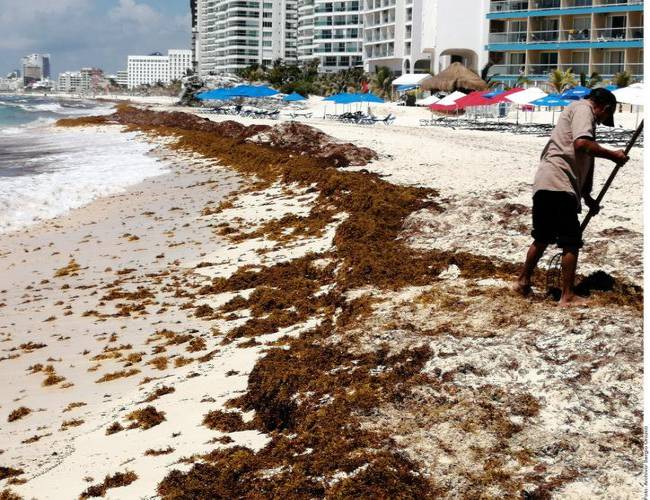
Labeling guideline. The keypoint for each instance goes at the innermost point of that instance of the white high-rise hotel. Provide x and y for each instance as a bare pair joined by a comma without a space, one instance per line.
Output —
151,69
232,35
406,35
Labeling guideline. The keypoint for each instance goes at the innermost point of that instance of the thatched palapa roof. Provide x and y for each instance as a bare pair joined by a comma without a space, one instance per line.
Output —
455,77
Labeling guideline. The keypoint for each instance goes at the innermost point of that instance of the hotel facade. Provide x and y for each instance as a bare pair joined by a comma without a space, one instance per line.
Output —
155,68
533,37
420,36
331,32
232,35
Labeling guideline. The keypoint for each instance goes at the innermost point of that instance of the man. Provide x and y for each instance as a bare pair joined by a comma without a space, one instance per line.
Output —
564,177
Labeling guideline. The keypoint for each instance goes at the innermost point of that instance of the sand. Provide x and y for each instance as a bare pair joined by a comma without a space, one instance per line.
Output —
583,366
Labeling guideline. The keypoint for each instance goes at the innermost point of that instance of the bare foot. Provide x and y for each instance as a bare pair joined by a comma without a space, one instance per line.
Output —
573,301
522,289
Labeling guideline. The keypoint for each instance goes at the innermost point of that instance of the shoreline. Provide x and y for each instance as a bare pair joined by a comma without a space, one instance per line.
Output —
437,377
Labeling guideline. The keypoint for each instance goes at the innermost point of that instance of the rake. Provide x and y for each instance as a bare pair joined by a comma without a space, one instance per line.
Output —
554,270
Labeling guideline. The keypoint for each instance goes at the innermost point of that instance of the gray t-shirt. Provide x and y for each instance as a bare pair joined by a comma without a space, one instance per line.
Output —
562,168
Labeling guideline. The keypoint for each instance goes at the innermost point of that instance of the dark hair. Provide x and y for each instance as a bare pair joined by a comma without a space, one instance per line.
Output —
603,97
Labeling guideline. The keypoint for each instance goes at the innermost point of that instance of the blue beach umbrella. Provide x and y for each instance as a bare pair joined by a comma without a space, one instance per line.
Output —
576,93
214,95
368,97
494,93
252,91
552,101
294,97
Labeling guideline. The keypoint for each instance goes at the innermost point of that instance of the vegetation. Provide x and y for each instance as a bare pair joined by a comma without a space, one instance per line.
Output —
561,80
622,79
305,78
592,81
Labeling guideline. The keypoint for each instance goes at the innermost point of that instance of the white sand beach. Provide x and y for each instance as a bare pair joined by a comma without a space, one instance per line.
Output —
101,315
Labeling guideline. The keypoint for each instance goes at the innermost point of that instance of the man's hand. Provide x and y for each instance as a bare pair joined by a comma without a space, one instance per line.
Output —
619,157
592,204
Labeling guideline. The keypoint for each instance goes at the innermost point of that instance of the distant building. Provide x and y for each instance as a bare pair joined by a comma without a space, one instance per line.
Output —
87,80
10,84
195,33
122,78
156,68
69,82
234,35
35,67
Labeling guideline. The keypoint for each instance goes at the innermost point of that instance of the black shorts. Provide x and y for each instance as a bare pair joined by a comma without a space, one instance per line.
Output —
555,219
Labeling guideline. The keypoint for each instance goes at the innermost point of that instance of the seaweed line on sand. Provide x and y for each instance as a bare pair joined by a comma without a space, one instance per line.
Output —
311,394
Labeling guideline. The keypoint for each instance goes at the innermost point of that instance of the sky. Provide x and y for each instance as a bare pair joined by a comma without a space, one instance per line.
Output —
97,33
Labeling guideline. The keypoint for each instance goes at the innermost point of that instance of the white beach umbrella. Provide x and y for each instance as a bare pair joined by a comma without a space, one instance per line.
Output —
427,101
630,95
451,98
525,97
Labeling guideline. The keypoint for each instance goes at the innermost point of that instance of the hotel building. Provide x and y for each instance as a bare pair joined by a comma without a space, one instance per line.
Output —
234,35
155,68
35,67
331,32
533,37
419,36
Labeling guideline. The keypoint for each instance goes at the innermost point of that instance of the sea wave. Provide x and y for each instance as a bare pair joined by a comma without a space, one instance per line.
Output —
86,166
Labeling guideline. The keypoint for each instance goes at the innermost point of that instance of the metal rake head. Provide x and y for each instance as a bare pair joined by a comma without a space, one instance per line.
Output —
554,276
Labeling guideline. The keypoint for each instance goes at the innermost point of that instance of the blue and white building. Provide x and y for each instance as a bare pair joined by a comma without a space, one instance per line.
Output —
533,37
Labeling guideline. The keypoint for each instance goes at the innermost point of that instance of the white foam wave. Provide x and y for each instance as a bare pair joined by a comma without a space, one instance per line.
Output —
12,130
99,164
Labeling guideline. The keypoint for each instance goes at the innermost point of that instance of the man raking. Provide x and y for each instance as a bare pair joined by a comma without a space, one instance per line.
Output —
563,179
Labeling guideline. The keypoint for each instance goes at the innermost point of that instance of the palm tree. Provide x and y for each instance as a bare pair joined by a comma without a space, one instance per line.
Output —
382,80
622,79
593,80
561,80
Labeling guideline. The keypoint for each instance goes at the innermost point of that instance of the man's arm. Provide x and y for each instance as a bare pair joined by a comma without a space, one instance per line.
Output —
592,148
586,192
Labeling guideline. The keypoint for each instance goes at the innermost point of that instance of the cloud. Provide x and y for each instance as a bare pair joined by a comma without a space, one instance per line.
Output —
80,33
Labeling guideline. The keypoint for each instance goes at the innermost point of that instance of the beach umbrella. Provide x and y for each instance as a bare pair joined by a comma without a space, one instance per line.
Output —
503,95
456,76
630,95
367,97
215,95
525,97
551,101
294,97
576,93
427,101
252,91
494,93
634,95
451,98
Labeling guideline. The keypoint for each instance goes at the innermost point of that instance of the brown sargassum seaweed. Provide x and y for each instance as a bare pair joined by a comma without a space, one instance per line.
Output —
310,395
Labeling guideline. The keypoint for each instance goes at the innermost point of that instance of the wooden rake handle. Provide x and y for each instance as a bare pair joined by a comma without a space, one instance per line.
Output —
610,179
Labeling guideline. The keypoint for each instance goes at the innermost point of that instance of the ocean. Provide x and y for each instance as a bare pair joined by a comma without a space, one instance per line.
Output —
47,171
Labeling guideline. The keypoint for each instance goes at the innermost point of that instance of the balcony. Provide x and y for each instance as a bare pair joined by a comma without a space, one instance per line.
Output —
508,37
634,33
525,5
608,68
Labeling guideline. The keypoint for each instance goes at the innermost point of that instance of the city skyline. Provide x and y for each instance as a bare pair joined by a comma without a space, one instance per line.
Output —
84,33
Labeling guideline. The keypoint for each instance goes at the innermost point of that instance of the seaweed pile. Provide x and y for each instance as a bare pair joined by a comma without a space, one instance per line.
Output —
312,394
